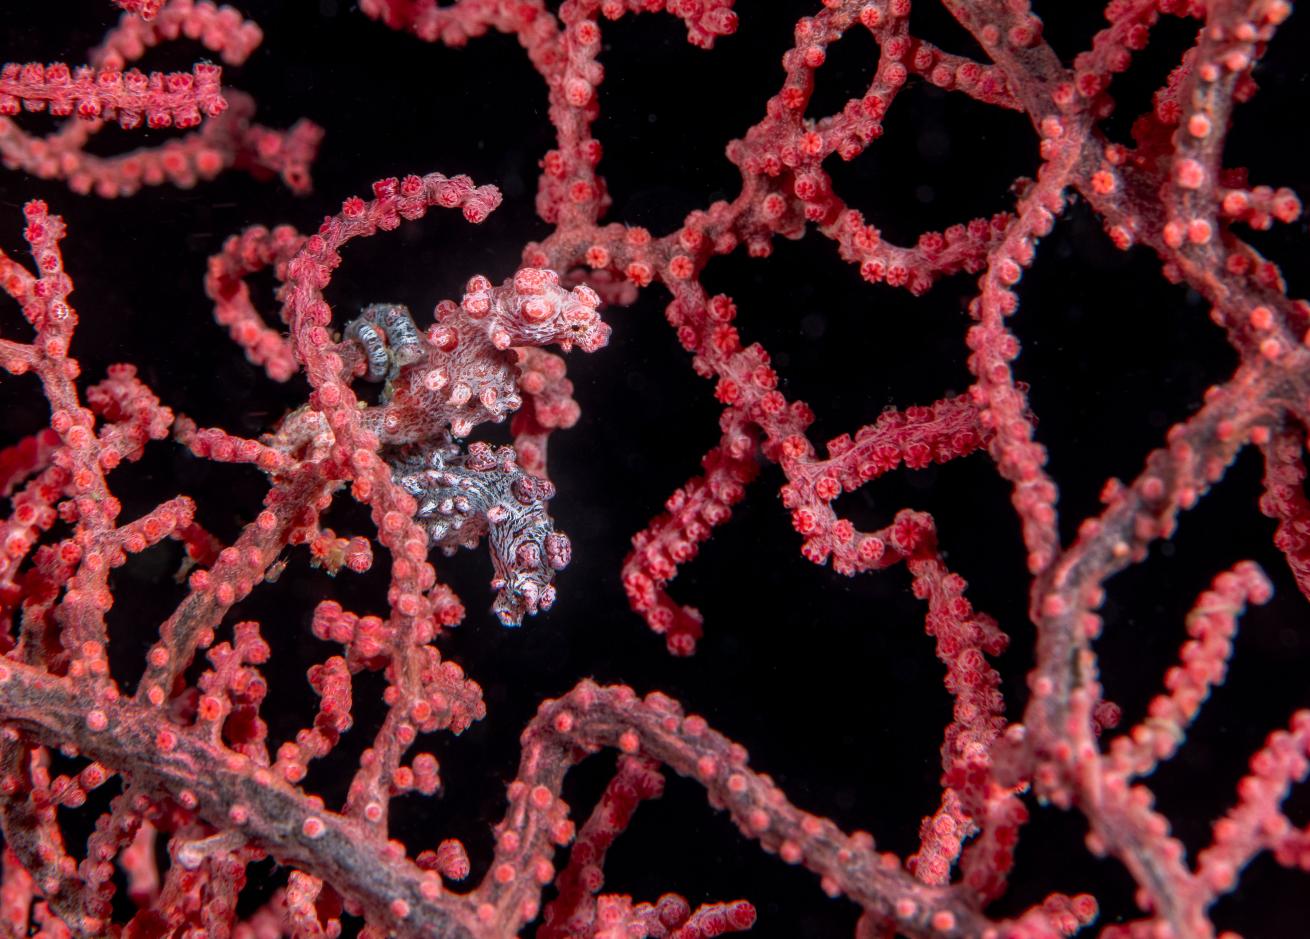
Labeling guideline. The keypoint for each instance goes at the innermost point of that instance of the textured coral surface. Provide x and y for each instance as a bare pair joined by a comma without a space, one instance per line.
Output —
881,419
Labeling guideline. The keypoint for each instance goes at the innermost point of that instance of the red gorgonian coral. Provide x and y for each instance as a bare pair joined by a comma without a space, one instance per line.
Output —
153,772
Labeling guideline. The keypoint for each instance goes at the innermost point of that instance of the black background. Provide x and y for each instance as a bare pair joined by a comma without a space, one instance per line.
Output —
829,682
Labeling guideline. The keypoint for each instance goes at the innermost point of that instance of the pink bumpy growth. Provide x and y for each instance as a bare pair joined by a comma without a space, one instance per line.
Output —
190,741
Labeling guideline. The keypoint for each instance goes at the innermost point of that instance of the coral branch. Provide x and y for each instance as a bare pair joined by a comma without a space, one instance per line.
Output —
170,752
